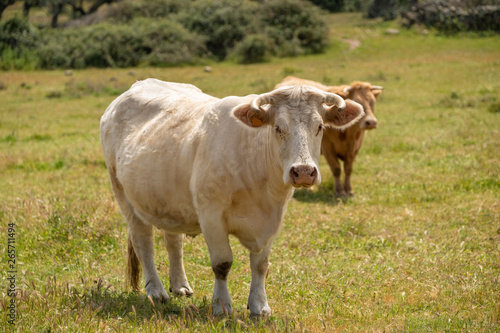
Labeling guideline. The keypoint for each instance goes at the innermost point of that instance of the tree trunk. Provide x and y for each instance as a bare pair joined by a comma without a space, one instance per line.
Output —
77,10
56,10
28,4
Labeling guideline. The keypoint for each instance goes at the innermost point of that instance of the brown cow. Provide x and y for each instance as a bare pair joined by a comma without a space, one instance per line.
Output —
344,145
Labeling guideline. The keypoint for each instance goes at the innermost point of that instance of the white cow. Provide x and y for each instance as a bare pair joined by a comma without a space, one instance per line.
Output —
189,163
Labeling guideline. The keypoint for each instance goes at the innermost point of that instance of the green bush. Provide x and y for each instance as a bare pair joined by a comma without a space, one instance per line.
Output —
295,26
158,42
168,43
17,39
101,45
223,23
454,16
388,9
169,32
356,5
11,59
17,33
252,49
126,11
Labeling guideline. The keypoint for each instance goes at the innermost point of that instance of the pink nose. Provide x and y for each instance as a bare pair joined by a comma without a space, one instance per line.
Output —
369,123
303,175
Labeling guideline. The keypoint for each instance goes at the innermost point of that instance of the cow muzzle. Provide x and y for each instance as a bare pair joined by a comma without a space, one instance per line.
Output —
368,123
303,175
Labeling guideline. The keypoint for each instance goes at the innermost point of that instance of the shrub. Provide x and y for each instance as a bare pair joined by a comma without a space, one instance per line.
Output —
454,16
356,5
101,45
252,49
169,43
126,11
18,59
388,9
169,32
17,33
223,23
295,26
17,38
158,42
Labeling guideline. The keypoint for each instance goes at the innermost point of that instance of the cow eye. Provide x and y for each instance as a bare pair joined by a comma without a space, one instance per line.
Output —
278,130
320,127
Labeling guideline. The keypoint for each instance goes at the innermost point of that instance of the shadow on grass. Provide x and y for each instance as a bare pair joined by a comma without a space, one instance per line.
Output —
138,307
177,313
324,193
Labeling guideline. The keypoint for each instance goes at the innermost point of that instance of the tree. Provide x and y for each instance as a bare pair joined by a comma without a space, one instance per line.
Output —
28,4
4,4
56,7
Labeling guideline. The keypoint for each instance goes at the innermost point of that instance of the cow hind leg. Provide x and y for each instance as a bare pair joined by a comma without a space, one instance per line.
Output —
140,245
178,282
133,267
141,239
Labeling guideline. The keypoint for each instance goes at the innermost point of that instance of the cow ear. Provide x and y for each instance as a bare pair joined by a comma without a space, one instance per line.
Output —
377,90
376,93
344,118
247,116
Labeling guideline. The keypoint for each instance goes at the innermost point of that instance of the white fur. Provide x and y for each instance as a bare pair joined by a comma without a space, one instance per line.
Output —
180,161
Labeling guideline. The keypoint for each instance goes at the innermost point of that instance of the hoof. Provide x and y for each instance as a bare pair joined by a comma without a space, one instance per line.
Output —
341,195
182,291
159,295
264,312
219,309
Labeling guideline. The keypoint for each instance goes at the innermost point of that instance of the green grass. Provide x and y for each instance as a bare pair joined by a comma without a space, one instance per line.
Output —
417,249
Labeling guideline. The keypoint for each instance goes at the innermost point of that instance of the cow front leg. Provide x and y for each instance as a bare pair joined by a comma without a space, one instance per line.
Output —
221,258
178,281
257,298
348,166
141,236
336,169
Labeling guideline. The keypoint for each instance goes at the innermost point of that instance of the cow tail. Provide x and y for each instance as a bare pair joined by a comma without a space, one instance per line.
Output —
133,267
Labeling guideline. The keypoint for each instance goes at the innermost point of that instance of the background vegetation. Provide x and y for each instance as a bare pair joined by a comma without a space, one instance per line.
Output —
167,32
417,249
49,34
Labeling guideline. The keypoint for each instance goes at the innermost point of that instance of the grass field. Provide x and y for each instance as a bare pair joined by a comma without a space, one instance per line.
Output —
417,249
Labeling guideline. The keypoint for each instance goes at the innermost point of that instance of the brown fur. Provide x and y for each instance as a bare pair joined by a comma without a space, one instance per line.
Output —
222,270
133,267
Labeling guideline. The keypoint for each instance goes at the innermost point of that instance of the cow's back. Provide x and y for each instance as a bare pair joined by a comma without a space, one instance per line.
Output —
147,100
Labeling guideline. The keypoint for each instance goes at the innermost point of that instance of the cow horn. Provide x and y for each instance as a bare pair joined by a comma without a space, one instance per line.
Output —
331,98
347,89
259,101
377,88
